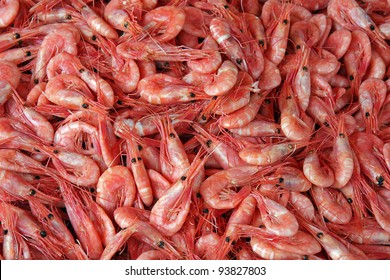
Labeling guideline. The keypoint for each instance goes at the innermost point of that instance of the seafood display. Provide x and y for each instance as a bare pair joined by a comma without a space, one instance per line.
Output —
195,129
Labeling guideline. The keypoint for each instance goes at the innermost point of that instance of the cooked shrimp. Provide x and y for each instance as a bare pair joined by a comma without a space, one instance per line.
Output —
164,89
115,188
9,79
224,80
123,15
316,171
164,22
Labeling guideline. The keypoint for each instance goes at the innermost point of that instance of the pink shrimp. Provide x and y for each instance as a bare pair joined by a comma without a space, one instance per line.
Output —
115,188
164,89
303,205
224,81
351,16
123,15
164,22
316,171
94,21
169,213
338,42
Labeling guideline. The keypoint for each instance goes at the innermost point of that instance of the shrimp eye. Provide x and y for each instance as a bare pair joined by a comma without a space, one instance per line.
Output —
36,150
281,180
305,257
326,220
208,143
226,6
227,239
204,117
93,37
261,226
206,210
126,25
192,94
36,81
172,135
119,102
16,35
304,68
139,148
161,244
320,235
43,233
277,130
5,231
288,97
351,77
139,158
342,135
28,53
349,200
68,16
285,21
198,195
50,216
214,98
85,106
239,60
81,70
183,178
298,47
326,124
91,190
133,160
55,151
267,101
380,180
32,192
261,42
367,114
37,177
372,27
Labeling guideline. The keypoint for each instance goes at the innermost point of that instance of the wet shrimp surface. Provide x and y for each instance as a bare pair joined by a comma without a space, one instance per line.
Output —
201,129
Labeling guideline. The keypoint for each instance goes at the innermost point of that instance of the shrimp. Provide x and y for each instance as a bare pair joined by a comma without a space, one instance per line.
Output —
128,218
173,157
372,94
9,79
222,33
164,22
85,170
336,247
71,92
266,250
224,81
257,128
52,221
225,155
351,16
115,188
338,42
316,171
303,205
65,63
332,205
167,90
203,245
9,10
218,190
94,21
123,15
14,184
290,178
276,218
81,222
266,154
56,41
169,213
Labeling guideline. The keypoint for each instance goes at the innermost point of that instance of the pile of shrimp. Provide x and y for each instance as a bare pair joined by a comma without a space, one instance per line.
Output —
195,129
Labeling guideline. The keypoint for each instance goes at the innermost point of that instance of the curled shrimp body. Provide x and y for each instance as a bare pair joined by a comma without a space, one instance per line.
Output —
332,205
276,218
321,176
122,15
164,22
56,41
219,190
303,205
115,188
165,89
257,128
224,81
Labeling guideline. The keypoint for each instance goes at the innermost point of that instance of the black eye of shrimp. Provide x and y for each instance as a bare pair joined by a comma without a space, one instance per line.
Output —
43,233
32,192
85,106
161,244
